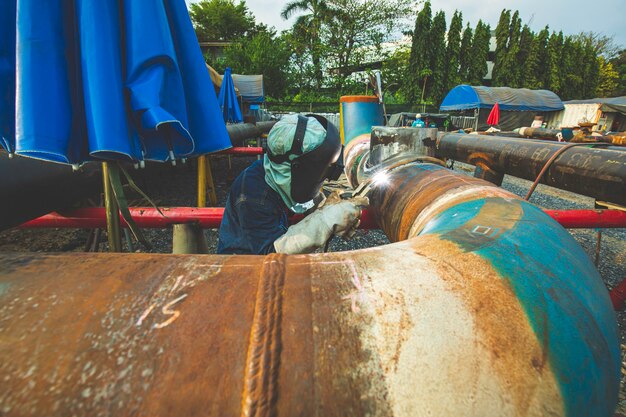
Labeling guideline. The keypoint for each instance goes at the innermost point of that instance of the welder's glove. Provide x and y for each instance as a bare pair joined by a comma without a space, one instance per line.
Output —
333,217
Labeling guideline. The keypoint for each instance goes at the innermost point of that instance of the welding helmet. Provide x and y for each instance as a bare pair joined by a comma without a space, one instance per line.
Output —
309,169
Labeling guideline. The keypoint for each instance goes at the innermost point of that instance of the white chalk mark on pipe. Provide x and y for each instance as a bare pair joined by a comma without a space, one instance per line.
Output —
178,279
359,294
166,310
145,314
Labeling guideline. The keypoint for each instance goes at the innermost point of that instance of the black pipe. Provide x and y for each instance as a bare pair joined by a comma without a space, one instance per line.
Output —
242,131
30,188
592,171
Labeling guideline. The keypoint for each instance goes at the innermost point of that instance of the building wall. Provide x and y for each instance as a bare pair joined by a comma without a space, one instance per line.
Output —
574,114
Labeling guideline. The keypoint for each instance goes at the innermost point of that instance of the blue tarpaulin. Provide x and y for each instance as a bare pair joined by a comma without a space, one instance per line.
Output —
465,97
109,79
227,99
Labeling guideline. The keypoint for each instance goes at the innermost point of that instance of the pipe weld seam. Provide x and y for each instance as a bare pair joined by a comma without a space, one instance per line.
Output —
452,198
263,359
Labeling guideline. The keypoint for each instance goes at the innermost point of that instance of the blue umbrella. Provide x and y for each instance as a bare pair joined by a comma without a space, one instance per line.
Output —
7,75
107,79
227,99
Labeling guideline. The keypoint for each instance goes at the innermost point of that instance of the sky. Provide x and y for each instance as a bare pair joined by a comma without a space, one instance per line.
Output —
570,16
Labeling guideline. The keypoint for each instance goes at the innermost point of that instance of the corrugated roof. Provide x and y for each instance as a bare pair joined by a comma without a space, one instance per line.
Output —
620,101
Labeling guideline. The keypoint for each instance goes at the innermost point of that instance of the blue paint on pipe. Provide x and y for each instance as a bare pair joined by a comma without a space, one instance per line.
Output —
558,287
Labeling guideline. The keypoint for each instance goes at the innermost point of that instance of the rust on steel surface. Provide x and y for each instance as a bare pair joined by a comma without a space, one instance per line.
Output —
118,334
144,334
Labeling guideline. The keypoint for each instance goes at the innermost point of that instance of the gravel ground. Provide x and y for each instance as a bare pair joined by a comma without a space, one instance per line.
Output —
176,186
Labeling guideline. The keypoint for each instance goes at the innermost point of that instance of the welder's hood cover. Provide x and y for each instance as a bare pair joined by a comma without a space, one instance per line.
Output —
297,178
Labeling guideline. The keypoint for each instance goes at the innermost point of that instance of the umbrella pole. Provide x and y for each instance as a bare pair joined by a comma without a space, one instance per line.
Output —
205,179
112,212
202,181
210,183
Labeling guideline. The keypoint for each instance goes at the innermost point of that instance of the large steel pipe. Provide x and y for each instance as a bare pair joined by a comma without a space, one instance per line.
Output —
489,308
594,172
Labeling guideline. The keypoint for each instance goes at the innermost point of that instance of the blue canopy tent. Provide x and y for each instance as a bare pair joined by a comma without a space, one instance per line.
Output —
227,99
114,80
518,106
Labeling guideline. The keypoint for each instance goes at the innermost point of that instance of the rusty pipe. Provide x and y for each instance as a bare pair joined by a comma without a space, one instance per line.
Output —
541,133
594,172
472,314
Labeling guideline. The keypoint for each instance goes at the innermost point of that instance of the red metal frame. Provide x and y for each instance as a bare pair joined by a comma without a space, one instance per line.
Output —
589,219
150,218
211,217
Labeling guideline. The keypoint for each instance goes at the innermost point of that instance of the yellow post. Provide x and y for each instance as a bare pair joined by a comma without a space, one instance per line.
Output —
202,180
112,212
209,180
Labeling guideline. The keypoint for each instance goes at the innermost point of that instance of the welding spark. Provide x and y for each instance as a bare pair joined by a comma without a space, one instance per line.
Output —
381,179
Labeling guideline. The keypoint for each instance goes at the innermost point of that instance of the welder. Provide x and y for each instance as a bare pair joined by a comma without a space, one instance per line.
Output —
302,152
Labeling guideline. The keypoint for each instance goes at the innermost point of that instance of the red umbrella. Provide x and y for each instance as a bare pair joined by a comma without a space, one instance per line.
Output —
494,115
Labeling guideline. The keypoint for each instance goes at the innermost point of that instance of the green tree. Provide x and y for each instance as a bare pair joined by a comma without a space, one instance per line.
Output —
479,53
355,30
263,53
619,64
601,44
570,70
511,73
608,82
555,51
394,72
465,54
419,60
307,29
438,57
591,71
503,31
534,70
523,54
453,52
221,20
581,69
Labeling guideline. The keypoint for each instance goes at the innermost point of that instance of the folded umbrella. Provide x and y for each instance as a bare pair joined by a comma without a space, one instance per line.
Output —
494,115
108,80
227,99
7,75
